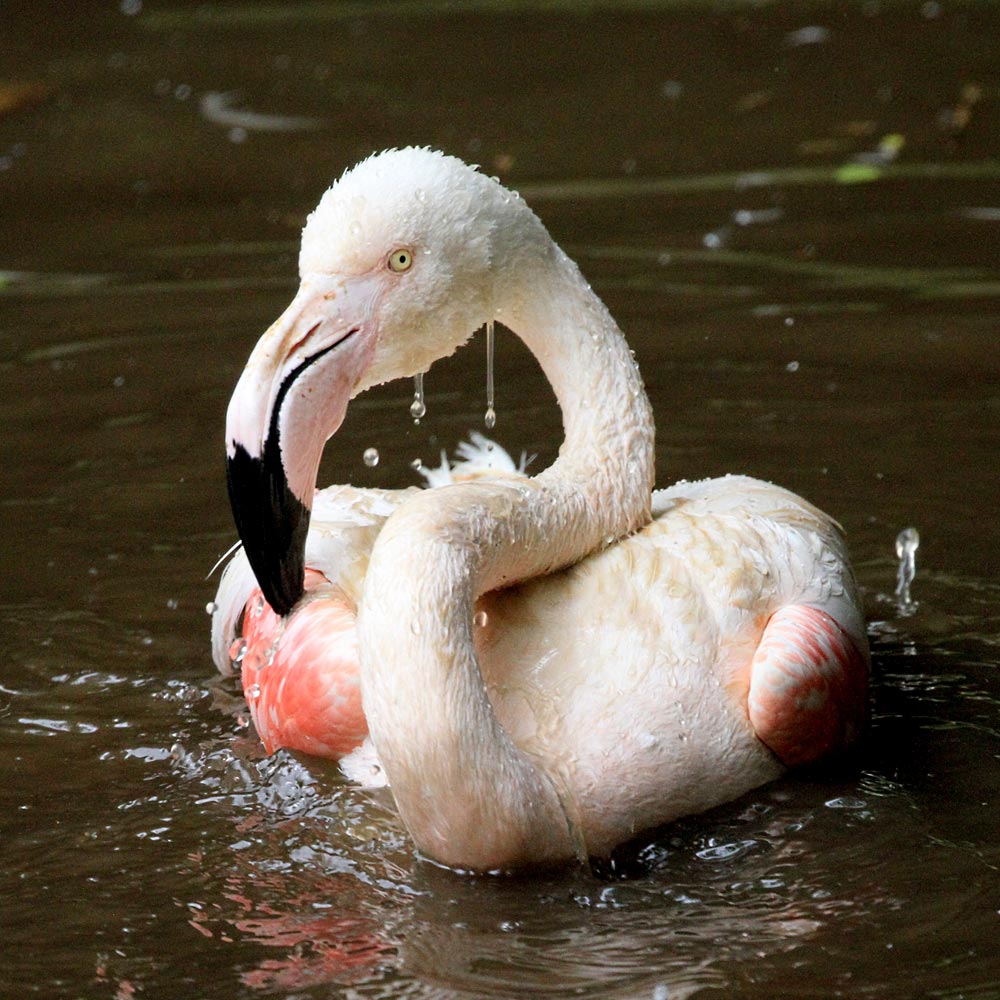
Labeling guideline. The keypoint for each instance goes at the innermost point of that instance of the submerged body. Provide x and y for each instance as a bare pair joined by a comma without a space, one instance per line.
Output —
548,665
629,671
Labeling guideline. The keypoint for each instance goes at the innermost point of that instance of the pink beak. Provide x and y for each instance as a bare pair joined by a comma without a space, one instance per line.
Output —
291,397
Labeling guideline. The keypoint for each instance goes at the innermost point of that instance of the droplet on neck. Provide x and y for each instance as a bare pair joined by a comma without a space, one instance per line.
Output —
418,408
370,457
490,419
237,650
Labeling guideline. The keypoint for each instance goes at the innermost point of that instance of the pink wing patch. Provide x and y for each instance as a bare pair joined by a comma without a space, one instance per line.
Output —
301,678
808,686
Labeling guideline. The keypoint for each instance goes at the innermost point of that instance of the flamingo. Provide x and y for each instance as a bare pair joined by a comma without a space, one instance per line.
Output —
542,667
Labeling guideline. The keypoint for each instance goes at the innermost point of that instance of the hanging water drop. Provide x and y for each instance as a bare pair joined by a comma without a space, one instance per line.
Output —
370,457
490,419
907,543
418,408
211,608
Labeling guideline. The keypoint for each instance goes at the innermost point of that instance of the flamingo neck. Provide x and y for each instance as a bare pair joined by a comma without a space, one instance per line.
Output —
468,795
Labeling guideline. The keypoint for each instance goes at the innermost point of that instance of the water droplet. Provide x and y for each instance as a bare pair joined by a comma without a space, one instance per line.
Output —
258,608
416,465
237,651
253,692
173,603
907,543
370,457
211,608
481,619
792,366
418,408
490,418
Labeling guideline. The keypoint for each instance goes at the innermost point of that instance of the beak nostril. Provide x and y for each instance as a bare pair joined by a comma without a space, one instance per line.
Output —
305,336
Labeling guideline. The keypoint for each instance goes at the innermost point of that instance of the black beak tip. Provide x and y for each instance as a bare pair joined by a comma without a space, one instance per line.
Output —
272,523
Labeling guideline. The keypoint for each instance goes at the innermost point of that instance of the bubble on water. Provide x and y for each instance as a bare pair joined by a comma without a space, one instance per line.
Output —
481,619
907,543
370,457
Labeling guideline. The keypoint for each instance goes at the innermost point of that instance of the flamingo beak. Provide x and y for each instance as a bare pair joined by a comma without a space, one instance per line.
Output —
290,399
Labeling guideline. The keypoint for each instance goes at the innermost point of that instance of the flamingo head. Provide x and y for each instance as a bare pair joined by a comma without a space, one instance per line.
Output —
401,262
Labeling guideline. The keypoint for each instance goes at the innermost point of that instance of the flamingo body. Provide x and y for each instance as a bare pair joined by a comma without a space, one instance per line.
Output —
547,665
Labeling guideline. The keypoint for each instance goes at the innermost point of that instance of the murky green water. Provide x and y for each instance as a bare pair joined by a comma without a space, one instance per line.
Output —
794,212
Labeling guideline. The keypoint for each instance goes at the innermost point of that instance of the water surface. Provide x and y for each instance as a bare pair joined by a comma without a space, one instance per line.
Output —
794,212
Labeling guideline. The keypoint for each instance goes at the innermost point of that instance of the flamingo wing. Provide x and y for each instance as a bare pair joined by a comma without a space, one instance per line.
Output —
808,686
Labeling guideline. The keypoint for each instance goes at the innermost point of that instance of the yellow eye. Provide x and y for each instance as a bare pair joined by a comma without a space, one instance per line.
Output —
400,260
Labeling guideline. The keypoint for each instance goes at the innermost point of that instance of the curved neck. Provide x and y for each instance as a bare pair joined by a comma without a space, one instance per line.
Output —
468,795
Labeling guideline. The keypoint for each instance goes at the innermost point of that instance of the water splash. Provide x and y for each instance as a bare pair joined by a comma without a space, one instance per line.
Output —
418,408
907,543
370,457
490,418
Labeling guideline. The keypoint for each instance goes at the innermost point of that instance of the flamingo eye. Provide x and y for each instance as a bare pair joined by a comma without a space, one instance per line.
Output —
400,260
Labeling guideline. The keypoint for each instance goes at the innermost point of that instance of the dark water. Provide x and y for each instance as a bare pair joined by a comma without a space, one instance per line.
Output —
794,212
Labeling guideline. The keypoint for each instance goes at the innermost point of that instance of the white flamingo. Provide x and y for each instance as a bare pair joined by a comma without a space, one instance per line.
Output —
547,665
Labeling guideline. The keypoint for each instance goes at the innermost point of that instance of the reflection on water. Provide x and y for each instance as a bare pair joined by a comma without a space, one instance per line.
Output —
795,220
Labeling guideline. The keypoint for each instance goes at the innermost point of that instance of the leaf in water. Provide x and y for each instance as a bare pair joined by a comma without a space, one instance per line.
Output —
17,96
857,173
